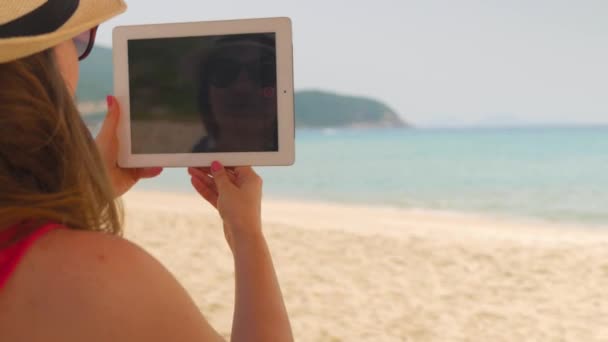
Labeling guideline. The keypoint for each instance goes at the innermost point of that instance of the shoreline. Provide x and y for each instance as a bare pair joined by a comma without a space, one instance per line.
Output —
492,216
276,209
504,218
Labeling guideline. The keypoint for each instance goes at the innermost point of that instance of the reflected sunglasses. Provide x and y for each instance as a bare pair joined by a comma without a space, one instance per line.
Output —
84,43
225,72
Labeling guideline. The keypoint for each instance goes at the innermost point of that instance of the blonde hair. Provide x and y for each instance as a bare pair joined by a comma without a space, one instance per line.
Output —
50,168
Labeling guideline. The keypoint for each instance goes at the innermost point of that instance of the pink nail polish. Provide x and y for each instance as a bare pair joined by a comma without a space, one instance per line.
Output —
216,166
110,100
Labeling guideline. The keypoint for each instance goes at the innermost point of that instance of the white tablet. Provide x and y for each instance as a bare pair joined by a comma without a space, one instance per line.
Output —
192,93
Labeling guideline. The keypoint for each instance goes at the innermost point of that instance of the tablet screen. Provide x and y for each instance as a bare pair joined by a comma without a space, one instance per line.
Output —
203,94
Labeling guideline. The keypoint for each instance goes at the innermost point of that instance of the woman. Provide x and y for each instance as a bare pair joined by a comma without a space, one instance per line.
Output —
237,95
61,277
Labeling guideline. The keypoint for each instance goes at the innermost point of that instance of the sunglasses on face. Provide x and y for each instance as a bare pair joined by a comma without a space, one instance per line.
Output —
225,72
84,43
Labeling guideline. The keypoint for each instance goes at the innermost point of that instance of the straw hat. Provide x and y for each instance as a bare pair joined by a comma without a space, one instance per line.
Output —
30,26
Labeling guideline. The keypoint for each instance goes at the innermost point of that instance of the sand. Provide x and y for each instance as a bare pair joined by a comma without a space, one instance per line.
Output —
355,273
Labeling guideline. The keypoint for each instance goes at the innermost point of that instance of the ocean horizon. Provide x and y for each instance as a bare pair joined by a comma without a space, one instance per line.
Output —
555,174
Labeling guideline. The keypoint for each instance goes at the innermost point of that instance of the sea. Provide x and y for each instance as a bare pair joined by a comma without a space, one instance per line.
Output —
557,174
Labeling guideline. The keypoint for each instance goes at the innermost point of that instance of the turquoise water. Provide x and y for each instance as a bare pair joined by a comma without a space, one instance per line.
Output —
556,174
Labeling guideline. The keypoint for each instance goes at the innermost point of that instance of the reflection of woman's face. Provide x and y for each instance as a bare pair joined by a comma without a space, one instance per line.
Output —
243,86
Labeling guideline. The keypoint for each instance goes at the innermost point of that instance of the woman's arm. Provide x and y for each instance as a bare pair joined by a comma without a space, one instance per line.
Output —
260,313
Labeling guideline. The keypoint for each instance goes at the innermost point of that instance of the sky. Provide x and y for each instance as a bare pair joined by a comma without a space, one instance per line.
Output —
436,63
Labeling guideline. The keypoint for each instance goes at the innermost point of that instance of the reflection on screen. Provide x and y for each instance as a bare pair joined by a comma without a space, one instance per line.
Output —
203,94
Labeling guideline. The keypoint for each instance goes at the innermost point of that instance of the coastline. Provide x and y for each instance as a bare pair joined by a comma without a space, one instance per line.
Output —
353,272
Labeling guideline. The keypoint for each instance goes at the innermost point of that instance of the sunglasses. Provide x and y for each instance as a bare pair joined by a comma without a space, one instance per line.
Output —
224,72
84,43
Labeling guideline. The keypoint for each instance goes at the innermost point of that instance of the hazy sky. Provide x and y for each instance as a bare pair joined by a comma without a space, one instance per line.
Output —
435,62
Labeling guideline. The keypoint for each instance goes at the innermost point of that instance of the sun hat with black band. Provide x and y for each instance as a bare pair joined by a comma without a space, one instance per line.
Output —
31,26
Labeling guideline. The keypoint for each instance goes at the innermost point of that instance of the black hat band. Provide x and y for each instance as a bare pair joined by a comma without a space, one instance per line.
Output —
44,19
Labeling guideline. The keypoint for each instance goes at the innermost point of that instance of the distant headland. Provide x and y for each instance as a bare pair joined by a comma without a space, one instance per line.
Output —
314,108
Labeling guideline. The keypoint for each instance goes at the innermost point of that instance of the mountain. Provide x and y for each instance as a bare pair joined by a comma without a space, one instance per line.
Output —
314,108
324,109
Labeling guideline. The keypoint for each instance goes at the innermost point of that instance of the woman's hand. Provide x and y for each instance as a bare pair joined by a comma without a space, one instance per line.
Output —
107,142
237,195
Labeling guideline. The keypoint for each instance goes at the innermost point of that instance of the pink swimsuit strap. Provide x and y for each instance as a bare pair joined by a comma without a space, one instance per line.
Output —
11,256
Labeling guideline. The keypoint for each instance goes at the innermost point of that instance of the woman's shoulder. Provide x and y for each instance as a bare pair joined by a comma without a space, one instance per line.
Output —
80,250
95,286
85,256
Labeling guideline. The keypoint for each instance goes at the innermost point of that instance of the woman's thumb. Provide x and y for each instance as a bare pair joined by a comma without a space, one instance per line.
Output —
220,176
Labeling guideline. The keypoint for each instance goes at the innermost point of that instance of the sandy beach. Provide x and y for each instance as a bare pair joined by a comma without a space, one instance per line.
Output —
356,273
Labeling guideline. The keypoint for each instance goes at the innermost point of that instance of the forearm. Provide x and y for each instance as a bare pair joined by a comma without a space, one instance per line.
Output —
260,313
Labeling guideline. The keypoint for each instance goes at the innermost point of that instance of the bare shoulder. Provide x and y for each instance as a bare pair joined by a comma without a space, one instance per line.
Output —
91,286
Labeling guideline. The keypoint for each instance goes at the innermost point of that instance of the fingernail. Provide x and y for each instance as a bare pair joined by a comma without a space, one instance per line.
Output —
110,100
216,166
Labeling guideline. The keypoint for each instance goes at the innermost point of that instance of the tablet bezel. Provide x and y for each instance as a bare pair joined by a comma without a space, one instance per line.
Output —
285,92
